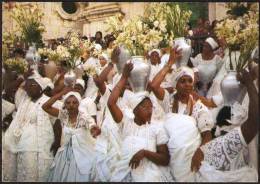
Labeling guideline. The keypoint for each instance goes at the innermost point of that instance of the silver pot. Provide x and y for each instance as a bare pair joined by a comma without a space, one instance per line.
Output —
50,69
186,51
30,54
231,89
139,76
124,56
70,78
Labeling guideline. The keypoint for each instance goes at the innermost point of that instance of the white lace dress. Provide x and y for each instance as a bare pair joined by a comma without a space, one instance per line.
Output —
74,160
223,160
135,138
28,140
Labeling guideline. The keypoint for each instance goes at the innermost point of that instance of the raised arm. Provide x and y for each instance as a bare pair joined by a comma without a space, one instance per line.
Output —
250,127
160,76
100,80
47,106
117,90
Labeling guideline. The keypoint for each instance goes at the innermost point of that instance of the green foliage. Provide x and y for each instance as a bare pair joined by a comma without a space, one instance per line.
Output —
199,10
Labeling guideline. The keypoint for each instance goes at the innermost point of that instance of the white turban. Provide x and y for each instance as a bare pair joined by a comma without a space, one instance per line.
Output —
81,82
183,70
72,93
48,82
212,43
137,98
105,56
98,47
155,50
43,82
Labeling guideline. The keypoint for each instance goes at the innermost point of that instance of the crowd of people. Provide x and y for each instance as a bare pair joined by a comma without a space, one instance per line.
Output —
98,129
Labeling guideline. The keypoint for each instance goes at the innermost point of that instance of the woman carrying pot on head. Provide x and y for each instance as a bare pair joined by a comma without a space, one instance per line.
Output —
185,157
74,159
208,65
109,141
222,156
29,136
144,143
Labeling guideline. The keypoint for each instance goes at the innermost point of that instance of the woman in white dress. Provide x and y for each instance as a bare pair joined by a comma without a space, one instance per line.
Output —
208,65
222,156
108,140
74,159
185,156
144,143
29,136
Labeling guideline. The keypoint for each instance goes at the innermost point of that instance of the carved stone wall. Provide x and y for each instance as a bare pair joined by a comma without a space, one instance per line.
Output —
89,17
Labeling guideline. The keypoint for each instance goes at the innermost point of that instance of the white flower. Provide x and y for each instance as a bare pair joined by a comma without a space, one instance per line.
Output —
156,23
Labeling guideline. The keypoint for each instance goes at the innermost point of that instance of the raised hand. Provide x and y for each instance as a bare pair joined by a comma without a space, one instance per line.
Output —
115,55
127,69
245,77
175,54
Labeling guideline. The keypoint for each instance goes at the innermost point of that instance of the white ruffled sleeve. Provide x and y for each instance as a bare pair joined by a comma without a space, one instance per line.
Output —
203,117
166,102
161,135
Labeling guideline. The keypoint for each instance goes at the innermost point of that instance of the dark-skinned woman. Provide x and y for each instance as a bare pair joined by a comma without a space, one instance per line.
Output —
222,156
73,161
30,135
185,103
109,141
208,65
144,143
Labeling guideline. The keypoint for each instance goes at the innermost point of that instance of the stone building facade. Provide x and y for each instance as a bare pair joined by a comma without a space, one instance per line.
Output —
88,17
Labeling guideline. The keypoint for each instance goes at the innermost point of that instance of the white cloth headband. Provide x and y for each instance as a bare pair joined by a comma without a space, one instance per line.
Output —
181,72
80,82
72,93
137,98
212,43
43,82
155,50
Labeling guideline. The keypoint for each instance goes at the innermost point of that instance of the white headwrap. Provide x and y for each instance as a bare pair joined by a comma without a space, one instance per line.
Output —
155,50
183,70
212,43
43,83
98,47
105,56
72,93
137,98
48,82
81,82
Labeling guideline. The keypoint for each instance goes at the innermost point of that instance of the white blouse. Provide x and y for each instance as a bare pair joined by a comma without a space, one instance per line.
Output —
200,112
207,68
134,139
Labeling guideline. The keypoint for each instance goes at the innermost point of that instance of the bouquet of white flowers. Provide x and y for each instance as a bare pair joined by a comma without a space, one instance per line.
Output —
90,70
19,65
29,23
72,49
136,35
240,34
